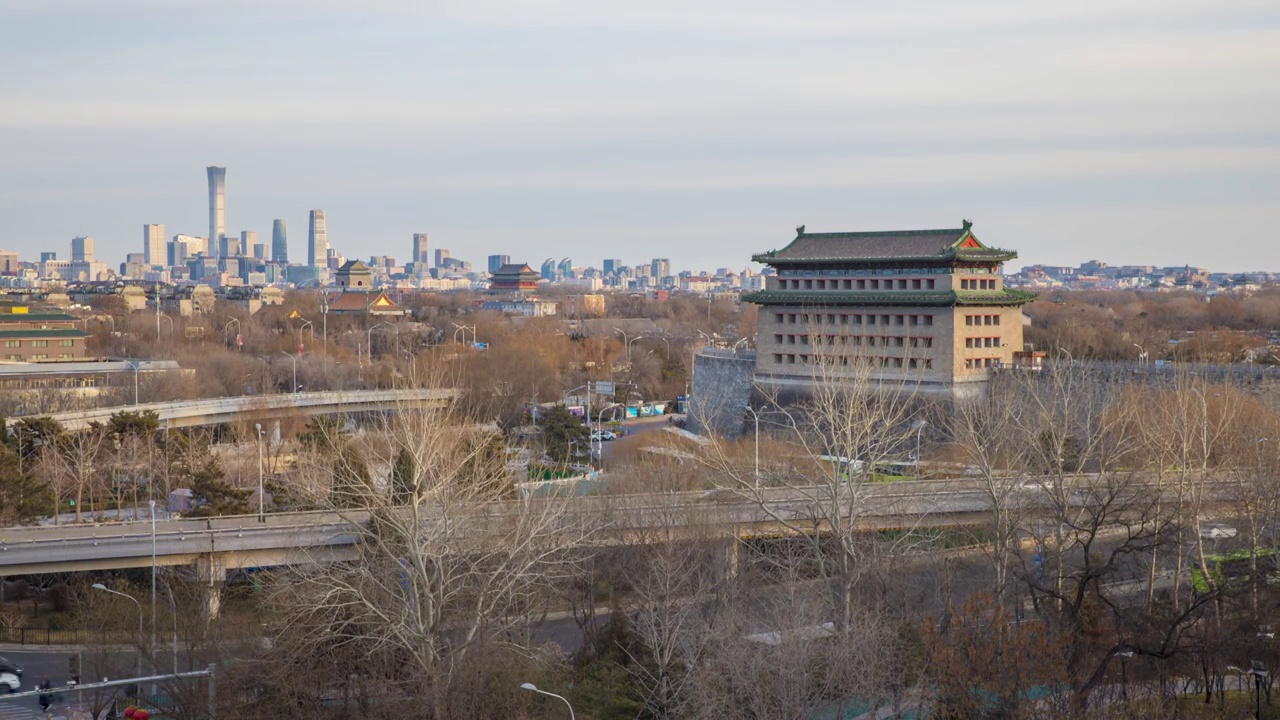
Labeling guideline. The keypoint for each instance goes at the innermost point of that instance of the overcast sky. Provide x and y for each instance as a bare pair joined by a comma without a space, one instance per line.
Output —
1133,131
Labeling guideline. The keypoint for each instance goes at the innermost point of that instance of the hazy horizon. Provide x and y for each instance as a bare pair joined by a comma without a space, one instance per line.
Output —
1134,132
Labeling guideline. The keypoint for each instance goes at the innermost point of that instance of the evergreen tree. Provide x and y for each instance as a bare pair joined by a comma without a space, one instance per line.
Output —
23,498
352,486
127,423
562,433
404,481
322,434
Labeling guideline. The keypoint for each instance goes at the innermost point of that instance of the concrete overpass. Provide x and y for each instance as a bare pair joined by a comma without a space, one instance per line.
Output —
214,411
244,541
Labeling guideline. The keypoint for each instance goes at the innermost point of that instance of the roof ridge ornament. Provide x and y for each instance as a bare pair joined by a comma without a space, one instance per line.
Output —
799,230
966,224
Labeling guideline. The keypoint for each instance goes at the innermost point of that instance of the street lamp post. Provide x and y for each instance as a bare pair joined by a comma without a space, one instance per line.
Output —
463,329
1142,354
534,688
227,327
919,429
324,324
295,369
369,339
104,588
306,325
261,514
135,365
626,342
153,574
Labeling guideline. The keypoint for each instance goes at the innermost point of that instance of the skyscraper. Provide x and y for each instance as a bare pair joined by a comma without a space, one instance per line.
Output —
217,206
279,242
660,268
442,254
497,261
420,254
248,238
612,265
82,249
317,241
153,244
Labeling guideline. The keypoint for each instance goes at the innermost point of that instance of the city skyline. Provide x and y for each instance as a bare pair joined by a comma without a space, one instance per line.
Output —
1132,130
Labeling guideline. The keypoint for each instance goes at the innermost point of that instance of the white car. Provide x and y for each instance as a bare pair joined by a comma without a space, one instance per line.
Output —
601,435
10,681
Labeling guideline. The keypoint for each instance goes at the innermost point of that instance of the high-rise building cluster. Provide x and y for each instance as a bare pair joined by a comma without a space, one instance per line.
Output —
226,257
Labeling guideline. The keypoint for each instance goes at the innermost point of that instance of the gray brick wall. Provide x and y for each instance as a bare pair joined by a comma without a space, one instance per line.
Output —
721,389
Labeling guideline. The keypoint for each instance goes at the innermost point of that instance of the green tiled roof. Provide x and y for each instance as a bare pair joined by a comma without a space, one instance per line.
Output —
883,246
936,298
37,317
37,334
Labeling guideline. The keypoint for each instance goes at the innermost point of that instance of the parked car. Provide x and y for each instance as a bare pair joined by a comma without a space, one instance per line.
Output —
601,435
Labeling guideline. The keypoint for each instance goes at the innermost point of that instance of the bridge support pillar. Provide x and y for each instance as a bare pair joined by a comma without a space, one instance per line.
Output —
730,558
211,572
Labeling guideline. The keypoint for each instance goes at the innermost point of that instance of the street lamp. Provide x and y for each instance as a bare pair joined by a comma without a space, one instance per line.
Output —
1142,354
153,575
306,325
919,429
626,343
369,339
534,688
294,358
135,365
226,328
261,516
104,588
463,329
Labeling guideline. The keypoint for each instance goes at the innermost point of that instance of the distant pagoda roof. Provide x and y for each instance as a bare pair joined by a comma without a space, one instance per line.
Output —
885,246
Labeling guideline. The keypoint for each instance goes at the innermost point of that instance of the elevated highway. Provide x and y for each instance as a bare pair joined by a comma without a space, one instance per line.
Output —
214,411
305,537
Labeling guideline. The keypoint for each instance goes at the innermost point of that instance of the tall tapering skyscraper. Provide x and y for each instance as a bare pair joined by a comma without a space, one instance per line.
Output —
279,243
420,248
217,207
153,250
317,240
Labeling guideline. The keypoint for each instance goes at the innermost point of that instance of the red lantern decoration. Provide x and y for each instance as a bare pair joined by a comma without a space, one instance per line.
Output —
141,714
130,711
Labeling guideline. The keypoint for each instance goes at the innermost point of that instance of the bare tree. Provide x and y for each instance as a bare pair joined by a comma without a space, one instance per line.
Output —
850,426
985,428
448,567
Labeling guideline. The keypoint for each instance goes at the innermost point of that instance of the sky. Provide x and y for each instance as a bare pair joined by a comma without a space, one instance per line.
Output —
1132,131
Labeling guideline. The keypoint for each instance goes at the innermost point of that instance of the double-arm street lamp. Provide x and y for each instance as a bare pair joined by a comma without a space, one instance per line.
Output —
626,342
